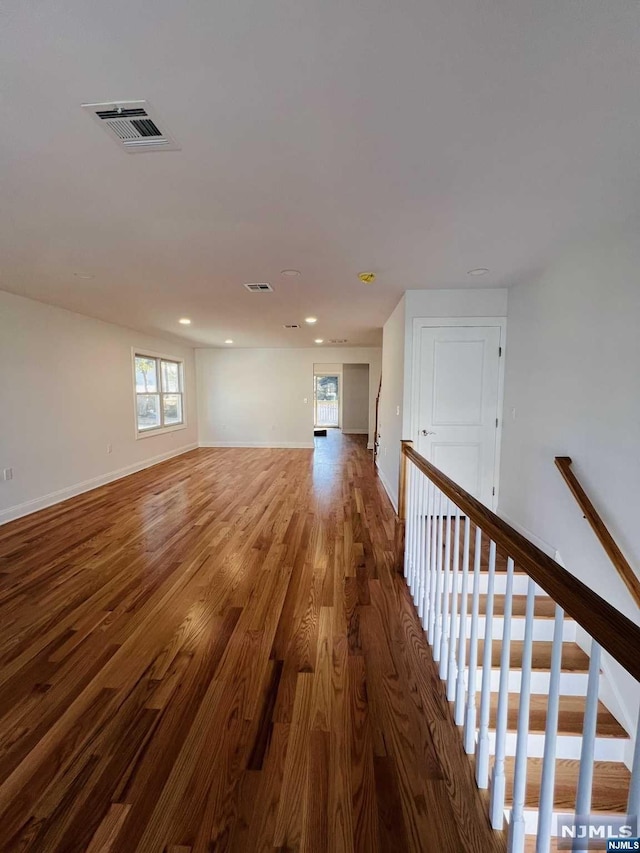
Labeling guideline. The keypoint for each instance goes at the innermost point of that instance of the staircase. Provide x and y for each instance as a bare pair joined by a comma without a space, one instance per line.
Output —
521,666
611,777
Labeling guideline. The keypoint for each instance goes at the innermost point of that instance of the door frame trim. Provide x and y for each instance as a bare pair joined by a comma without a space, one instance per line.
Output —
420,323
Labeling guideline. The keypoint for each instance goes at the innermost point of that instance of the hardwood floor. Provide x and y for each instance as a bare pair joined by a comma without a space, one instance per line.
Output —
216,654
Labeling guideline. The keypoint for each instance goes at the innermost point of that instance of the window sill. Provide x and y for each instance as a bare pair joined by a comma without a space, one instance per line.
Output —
159,431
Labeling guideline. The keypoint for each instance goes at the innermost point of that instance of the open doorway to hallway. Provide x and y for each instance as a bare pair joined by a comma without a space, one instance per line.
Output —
341,398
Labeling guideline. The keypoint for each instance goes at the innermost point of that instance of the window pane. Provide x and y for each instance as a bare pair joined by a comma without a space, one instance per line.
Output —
148,411
172,409
170,376
327,387
146,378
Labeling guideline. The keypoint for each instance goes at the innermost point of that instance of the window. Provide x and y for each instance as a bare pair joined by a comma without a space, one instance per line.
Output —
159,393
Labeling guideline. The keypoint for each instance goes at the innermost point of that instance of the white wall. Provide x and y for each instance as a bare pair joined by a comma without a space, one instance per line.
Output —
355,398
256,397
66,391
573,387
391,401
397,347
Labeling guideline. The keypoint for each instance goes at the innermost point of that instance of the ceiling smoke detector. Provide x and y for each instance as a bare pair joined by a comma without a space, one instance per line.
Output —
134,125
259,287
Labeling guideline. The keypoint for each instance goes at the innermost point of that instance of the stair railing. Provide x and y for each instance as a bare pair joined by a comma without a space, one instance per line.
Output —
563,464
446,534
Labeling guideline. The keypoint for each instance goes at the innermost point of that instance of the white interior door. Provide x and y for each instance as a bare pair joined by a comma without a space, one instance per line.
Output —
458,404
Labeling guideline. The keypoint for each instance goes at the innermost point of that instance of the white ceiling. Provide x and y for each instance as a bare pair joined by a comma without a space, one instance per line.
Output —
416,138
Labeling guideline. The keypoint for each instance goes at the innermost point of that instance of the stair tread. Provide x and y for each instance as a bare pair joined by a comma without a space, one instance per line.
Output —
544,607
610,785
573,658
570,716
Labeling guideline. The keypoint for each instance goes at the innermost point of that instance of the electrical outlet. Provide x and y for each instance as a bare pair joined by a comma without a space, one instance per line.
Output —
109,447
306,399
397,410
7,474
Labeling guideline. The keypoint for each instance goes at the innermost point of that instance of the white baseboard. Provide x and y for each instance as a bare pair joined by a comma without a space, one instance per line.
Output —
370,445
36,504
548,549
355,431
306,445
387,488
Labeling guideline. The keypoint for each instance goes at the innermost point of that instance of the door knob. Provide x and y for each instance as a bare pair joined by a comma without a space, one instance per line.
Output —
427,432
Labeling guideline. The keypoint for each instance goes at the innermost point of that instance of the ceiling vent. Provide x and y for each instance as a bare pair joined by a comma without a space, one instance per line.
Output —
259,287
134,125
292,325
338,341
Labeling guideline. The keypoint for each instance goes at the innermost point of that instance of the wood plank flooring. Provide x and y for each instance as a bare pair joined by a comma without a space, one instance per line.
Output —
217,654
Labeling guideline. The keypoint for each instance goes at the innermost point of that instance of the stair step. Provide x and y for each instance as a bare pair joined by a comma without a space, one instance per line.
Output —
544,608
610,785
573,658
570,716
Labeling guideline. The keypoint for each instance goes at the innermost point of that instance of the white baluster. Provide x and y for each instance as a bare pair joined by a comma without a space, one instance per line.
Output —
633,805
516,837
498,782
434,561
422,534
420,542
428,567
585,774
545,810
414,520
453,621
435,610
482,751
462,639
409,554
416,533
446,583
470,713
407,528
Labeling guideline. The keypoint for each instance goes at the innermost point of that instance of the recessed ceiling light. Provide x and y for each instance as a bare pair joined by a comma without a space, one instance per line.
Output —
185,321
83,275
319,340
291,273
311,320
228,341
478,271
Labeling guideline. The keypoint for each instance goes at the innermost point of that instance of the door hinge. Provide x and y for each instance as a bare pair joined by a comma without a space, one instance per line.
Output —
499,352
493,491
496,423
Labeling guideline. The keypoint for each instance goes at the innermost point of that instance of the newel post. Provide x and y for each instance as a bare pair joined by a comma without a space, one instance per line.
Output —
402,507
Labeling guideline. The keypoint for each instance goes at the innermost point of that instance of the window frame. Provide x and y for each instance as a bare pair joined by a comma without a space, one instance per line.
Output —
143,352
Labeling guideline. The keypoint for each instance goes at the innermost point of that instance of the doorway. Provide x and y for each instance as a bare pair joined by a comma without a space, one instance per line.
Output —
457,390
326,400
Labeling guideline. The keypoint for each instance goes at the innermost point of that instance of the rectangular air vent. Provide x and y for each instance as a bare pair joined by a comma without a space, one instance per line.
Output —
338,341
259,287
134,125
292,325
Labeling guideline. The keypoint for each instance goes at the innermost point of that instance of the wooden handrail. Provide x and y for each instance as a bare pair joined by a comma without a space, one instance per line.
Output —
614,631
563,464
